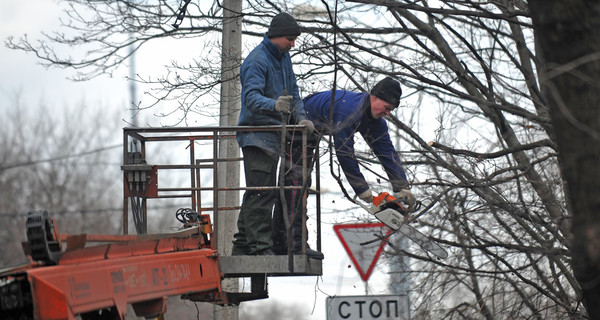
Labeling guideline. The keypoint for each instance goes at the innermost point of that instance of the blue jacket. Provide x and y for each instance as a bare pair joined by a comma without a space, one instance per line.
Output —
351,114
266,74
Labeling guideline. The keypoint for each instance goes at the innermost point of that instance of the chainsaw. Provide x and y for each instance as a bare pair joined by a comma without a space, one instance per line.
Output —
392,212
389,210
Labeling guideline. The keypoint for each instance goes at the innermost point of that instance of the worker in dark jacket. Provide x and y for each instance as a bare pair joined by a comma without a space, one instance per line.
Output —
269,90
352,112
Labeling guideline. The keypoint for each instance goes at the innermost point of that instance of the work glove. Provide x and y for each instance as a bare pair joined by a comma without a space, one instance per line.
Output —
366,196
406,197
309,125
283,104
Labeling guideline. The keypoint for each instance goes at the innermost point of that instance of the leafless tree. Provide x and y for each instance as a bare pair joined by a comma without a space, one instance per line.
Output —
489,177
59,162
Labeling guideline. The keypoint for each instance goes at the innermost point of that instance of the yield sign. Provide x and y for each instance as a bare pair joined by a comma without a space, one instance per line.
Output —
363,256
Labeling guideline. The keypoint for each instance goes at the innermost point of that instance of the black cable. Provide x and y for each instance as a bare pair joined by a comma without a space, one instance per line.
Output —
180,14
187,215
30,163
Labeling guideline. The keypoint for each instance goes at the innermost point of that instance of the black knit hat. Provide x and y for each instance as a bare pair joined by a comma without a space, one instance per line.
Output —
283,24
388,90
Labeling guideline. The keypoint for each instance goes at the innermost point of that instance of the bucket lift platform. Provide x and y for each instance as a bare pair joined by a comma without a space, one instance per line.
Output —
209,191
206,166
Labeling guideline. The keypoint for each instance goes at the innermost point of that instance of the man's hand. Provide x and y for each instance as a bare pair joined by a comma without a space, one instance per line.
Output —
366,196
283,104
407,197
309,125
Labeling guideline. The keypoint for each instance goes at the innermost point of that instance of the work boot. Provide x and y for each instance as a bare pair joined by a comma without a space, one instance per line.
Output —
279,250
266,252
239,251
313,254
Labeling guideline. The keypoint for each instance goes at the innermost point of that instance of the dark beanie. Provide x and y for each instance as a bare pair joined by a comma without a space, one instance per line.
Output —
388,90
283,25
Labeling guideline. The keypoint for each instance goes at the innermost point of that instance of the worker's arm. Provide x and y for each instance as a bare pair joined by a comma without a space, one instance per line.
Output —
344,149
254,81
380,142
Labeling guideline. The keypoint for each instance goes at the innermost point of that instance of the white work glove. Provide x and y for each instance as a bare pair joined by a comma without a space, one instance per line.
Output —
407,197
309,125
366,196
283,104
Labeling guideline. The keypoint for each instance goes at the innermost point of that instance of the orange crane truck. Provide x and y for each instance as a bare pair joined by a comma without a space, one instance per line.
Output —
95,276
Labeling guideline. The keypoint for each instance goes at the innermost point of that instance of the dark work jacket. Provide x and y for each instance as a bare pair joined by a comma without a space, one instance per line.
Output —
351,114
266,74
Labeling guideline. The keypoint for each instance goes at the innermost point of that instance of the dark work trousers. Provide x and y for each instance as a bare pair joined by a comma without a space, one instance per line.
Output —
254,221
296,198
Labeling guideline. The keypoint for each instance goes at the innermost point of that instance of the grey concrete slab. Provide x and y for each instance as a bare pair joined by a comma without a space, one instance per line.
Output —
246,266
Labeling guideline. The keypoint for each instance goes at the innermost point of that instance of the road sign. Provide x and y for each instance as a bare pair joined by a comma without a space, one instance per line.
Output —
364,256
380,307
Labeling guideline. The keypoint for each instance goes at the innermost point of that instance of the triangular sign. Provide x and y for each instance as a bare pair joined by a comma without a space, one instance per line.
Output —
363,256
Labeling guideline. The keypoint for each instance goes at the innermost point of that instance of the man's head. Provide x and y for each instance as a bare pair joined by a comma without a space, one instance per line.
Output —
385,97
283,31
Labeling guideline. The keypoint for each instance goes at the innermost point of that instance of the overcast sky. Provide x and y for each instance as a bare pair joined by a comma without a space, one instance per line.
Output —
22,74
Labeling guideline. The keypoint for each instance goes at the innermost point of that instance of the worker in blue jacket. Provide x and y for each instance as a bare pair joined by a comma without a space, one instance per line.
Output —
352,113
269,93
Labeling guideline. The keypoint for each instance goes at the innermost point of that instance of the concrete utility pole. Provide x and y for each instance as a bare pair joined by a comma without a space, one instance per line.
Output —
229,172
132,85
132,93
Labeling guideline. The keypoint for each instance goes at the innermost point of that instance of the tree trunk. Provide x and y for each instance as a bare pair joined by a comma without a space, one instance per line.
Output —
567,34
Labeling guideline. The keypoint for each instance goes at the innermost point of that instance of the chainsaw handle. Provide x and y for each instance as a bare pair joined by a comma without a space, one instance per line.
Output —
357,200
